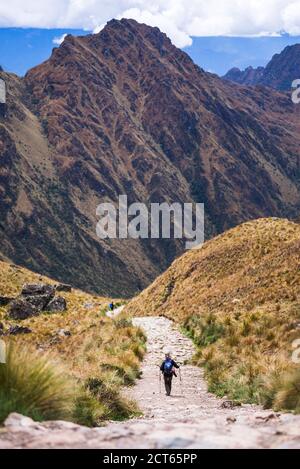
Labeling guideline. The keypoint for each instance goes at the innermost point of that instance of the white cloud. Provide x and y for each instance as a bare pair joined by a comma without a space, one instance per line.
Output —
291,18
59,40
180,19
163,21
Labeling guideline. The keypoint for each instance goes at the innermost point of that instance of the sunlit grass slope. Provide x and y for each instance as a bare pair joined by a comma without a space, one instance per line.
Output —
93,354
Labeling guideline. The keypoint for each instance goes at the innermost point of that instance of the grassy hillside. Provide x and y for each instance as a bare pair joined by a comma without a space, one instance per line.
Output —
239,298
97,355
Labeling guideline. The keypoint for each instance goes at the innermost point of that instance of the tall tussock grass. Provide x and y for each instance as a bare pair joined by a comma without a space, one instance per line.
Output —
248,357
32,385
282,391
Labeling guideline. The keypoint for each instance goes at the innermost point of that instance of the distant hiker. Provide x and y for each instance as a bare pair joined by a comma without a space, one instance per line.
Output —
168,370
111,306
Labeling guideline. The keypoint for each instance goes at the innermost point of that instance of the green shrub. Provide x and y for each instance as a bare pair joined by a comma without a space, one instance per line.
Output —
127,375
88,410
122,323
204,331
106,389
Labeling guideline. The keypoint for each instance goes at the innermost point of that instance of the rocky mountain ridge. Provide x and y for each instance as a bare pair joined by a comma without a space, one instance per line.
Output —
279,73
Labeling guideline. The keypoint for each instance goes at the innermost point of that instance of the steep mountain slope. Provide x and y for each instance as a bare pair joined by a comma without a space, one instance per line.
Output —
239,299
254,264
279,74
126,112
38,219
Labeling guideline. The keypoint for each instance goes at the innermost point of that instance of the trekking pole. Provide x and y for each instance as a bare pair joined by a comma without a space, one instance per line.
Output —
180,379
159,379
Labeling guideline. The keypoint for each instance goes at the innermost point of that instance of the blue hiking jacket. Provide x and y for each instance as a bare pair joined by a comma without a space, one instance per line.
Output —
174,364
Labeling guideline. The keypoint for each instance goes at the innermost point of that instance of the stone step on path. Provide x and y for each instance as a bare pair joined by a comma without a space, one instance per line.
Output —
190,419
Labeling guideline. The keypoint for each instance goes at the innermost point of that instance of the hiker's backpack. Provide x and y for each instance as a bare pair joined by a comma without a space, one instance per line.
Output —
168,367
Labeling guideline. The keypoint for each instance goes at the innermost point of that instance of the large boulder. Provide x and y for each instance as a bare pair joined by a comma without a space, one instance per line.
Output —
39,302
34,289
21,309
57,305
35,298
38,295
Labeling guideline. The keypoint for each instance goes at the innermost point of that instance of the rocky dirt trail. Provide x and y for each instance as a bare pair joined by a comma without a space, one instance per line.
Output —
190,418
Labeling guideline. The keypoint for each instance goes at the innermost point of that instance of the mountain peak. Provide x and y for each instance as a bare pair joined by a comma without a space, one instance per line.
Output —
127,33
279,73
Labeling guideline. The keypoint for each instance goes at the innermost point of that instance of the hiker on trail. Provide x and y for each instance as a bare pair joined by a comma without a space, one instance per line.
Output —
111,306
168,370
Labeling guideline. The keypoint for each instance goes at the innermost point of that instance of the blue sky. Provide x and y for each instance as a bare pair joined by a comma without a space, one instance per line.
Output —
22,48
219,54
